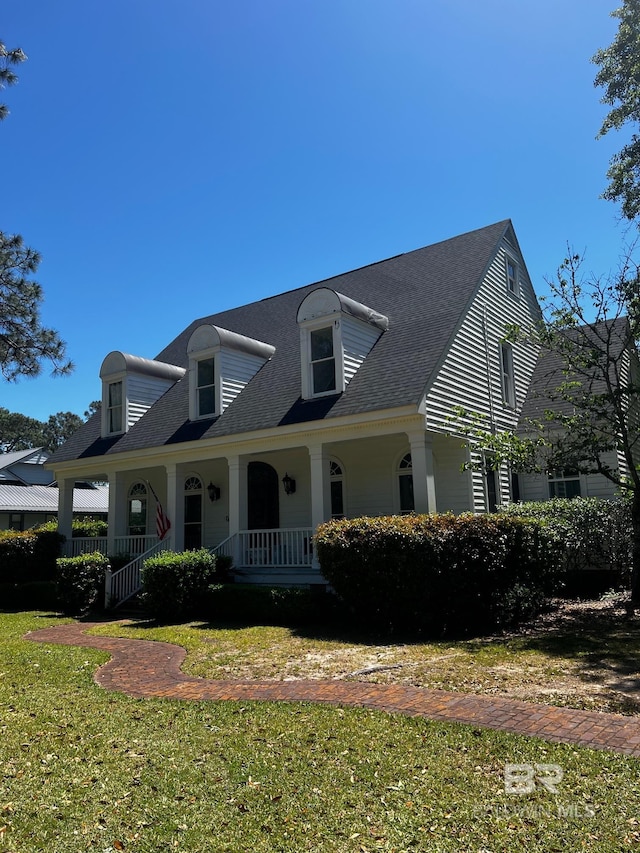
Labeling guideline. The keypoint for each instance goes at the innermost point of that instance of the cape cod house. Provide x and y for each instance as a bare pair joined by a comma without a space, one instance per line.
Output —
256,424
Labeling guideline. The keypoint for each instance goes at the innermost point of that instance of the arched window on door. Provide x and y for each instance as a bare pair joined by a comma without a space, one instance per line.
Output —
336,482
192,513
405,485
137,510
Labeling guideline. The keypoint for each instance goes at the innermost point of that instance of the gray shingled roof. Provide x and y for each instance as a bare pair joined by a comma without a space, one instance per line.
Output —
549,372
424,293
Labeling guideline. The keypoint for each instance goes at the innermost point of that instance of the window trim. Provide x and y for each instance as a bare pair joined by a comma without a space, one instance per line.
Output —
333,322
404,468
507,375
336,475
563,476
143,497
106,409
194,397
515,289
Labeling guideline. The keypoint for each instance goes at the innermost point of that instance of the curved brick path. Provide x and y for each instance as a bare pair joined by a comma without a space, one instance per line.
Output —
145,668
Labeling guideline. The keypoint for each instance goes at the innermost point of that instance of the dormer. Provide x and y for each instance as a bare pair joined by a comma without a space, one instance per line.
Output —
221,363
336,335
130,386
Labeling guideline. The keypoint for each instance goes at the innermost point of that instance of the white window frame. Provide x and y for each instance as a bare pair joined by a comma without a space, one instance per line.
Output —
404,468
306,328
336,475
507,375
513,281
194,408
562,476
106,410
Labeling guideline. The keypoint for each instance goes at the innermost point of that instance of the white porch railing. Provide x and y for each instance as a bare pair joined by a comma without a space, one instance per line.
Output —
282,548
122,545
124,583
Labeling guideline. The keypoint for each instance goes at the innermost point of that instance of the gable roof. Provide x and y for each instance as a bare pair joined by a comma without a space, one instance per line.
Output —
45,499
550,373
423,293
36,454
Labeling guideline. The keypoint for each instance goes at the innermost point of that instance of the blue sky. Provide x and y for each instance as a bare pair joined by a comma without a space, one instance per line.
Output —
172,159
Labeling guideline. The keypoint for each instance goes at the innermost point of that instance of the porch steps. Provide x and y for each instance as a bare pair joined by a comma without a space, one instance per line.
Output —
268,576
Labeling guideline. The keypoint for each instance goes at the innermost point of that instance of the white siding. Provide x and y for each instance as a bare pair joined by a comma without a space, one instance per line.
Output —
357,341
142,392
453,485
471,373
236,370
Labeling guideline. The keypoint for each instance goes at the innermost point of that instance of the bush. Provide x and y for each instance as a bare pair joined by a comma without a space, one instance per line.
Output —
593,535
175,586
438,574
80,582
87,526
29,555
33,595
246,603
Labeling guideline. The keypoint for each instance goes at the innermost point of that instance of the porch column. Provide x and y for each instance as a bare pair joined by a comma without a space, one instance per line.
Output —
65,509
424,487
117,518
175,506
237,502
318,463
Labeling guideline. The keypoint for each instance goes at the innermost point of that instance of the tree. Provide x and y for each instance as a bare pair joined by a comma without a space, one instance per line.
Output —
8,59
18,432
588,403
619,75
59,428
94,406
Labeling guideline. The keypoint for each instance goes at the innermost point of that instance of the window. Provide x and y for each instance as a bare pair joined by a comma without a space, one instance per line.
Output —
564,483
508,383
16,521
138,510
491,481
513,276
115,420
405,485
192,513
337,495
206,387
323,362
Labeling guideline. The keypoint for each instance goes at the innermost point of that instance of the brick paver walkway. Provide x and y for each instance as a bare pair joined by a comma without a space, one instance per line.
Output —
145,668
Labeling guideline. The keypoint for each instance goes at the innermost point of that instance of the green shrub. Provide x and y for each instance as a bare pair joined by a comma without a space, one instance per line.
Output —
263,605
29,555
175,586
593,535
80,582
438,574
87,526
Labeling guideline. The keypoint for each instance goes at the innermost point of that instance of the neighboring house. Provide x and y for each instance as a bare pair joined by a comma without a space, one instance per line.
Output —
29,495
256,424
613,340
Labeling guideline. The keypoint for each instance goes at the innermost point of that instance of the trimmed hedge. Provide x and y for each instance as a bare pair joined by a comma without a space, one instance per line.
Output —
80,582
175,586
439,574
30,555
593,535
34,595
87,526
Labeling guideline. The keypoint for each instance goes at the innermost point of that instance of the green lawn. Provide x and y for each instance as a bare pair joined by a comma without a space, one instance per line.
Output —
82,769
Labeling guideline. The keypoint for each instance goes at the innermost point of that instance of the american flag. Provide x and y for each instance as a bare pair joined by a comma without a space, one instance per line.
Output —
163,525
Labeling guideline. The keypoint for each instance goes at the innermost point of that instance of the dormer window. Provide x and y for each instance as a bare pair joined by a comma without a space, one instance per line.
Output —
221,363
130,386
336,335
323,362
114,413
206,387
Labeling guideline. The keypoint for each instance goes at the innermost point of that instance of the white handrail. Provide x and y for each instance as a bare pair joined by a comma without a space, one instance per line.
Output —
124,583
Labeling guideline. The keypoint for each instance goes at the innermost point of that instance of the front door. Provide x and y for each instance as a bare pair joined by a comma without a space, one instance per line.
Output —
263,509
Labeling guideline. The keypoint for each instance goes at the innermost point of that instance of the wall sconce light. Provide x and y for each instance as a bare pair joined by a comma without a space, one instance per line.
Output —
214,492
289,485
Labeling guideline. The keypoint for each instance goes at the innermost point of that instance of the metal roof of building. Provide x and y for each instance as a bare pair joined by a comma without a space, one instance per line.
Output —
45,499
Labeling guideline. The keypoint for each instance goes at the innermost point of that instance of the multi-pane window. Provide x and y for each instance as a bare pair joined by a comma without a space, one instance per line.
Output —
513,284
138,510
323,362
114,407
508,382
564,483
192,514
337,495
405,484
206,387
